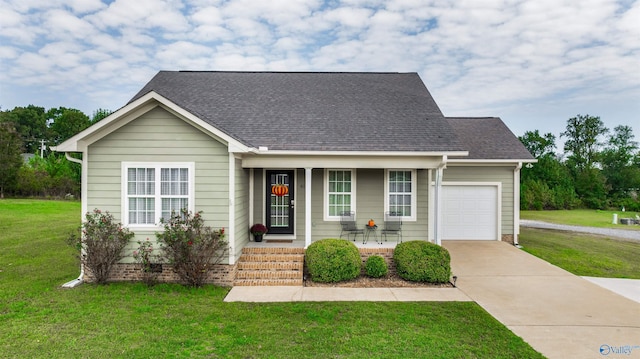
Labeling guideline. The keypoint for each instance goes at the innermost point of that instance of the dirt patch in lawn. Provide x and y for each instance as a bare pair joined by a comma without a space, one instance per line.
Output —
389,281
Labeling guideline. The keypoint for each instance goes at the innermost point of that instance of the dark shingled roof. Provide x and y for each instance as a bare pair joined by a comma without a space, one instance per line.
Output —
488,138
313,111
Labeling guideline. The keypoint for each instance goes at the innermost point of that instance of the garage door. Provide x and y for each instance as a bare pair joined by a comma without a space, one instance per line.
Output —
469,212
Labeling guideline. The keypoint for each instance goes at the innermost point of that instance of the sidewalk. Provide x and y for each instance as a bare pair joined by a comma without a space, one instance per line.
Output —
629,288
327,294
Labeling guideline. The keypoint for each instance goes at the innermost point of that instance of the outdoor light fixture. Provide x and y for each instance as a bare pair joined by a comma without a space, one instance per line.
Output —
455,278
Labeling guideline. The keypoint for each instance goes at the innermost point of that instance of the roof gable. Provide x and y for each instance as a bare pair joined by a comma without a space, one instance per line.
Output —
313,111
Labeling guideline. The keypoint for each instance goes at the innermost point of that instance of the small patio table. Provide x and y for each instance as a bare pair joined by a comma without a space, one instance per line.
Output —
367,232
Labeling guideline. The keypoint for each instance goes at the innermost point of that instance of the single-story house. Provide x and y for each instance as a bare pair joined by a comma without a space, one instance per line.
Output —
370,143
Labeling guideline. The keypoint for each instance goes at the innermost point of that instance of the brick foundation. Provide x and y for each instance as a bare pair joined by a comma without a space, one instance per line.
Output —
225,275
507,238
386,253
221,274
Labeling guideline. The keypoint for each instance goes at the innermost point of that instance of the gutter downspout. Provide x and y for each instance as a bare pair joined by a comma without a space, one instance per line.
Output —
76,282
516,204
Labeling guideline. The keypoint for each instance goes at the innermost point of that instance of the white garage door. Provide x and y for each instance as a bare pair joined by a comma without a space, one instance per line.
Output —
469,212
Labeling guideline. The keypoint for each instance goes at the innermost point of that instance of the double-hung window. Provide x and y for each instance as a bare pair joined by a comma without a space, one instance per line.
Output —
400,197
339,193
154,190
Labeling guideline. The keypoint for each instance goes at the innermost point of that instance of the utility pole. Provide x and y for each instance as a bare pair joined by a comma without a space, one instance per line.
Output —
42,148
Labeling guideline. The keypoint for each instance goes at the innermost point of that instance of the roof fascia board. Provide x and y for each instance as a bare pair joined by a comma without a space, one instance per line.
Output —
362,153
79,142
487,162
114,125
334,161
126,114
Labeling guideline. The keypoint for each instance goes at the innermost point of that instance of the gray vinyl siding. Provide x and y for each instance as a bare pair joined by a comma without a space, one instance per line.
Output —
241,208
369,205
488,174
159,136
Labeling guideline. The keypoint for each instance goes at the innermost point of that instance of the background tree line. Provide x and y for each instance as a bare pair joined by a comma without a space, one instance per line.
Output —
598,169
28,167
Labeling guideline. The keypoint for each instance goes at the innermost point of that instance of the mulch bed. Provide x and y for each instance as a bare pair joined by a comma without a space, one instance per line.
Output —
389,281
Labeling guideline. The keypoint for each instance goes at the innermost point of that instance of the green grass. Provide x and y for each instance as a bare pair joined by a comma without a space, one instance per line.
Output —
581,217
130,320
583,254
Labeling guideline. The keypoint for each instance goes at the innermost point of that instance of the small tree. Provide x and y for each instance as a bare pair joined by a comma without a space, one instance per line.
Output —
191,247
10,159
101,243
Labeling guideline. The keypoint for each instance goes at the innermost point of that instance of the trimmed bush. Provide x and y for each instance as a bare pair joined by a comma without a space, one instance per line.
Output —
376,267
422,261
332,260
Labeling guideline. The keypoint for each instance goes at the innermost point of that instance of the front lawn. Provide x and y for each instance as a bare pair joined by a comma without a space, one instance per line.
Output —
584,254
130,320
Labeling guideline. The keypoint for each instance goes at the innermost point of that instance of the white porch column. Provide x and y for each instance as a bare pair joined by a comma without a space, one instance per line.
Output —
251,195
307,207
438,205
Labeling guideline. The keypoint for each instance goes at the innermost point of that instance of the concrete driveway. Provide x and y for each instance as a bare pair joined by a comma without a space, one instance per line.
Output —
559,314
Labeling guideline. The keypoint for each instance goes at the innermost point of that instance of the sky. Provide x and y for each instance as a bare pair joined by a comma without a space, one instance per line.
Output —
534,63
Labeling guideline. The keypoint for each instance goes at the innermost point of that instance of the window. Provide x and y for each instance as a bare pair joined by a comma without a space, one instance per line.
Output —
400,198
340,193
154,190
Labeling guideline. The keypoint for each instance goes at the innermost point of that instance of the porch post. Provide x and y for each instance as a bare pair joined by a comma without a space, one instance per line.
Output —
438,204
307,207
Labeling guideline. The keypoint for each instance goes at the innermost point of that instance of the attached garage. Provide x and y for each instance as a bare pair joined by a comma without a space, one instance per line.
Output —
471,211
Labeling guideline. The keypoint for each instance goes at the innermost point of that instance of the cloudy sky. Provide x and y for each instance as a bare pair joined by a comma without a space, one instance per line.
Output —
535,63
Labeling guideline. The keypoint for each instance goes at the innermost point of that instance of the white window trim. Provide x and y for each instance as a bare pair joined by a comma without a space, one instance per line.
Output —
158,203
414,186
325,194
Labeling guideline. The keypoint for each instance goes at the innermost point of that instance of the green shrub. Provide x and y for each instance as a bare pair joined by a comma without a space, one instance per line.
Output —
376,267
422,261
101,243
333,260
191,247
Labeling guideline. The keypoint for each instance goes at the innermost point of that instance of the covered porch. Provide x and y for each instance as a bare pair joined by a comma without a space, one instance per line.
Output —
320,186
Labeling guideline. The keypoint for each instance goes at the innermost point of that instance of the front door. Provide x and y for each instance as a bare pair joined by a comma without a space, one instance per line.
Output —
280,202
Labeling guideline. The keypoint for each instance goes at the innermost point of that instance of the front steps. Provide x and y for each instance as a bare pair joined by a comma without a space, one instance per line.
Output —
270,267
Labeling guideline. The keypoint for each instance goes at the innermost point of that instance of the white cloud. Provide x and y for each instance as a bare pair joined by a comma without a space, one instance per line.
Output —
61,24
482,58
146,14
84,6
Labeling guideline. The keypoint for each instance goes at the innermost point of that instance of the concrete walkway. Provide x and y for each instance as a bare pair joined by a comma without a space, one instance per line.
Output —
629,288
332,294
559,314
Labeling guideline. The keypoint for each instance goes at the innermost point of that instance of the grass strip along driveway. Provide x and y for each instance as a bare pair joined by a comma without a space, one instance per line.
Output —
579,253
584,254
582,217
130,320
